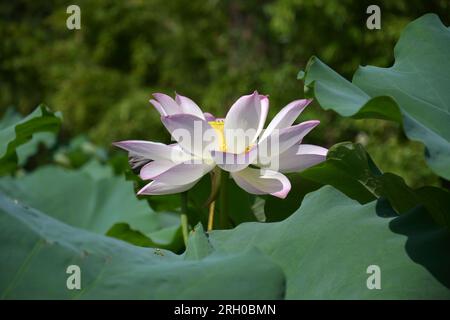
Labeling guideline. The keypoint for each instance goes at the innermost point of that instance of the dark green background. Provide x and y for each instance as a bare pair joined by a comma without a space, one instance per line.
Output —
102,76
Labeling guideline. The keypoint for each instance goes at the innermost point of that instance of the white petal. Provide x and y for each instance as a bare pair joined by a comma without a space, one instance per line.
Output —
153,150
155,168
262,181
192,133
298,158
234,162
184,173
168,104
189,106
159,188
242,123
281,140
286,116
264,111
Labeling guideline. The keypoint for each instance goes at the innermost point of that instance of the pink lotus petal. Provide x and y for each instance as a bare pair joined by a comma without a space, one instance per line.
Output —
189,131
263,117
160,188
286,116
261,181
155,168
183,173
151,150
245,116
232,162
298,158
281,140
188,106
168,104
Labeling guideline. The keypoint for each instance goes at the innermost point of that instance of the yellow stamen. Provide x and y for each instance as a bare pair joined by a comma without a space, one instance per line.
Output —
218,126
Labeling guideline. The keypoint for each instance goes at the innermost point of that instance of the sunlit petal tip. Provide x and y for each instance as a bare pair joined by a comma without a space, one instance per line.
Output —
305,149
142,190
151,188
117,144
148,150
287,137
264,101
284,192
306,101
263,97
301,104
257,181
311,123
298,158
148,189
159,188
286,117
126,145
159,95
188,106
306,127
256,96
285,184
167,103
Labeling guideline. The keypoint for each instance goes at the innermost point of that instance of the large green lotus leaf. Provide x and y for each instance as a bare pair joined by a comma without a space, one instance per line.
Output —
198,244
24,151
415,89
276,209
327,245
36,250
16,133
350,169
93,199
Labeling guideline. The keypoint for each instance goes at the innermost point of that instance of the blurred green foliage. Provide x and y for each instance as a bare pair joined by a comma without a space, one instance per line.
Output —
102,76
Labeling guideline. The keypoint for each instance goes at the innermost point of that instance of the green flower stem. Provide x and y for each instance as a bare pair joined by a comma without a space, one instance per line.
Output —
212,208
184,218
215,186
216,177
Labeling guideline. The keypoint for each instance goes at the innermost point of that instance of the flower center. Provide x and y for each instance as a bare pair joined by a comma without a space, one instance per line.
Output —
218,126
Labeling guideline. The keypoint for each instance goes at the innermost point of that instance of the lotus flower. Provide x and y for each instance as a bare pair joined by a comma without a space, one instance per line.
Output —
255,158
